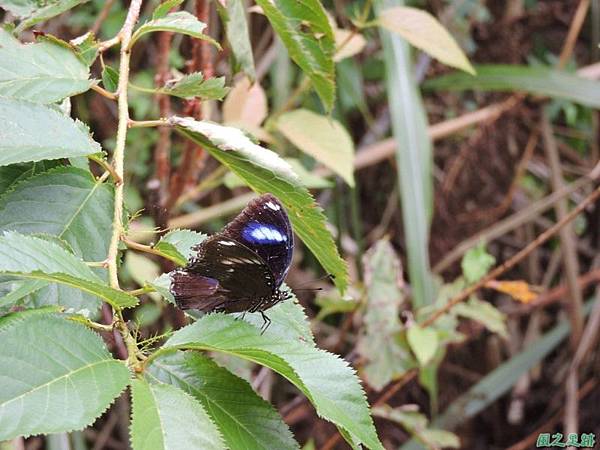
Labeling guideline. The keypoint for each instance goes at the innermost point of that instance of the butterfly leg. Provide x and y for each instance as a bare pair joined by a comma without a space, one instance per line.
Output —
241,317
266,323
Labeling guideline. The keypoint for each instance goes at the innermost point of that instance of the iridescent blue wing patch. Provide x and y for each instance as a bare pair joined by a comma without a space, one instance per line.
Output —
264,227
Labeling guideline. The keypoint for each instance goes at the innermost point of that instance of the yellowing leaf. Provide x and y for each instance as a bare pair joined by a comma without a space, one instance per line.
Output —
423,342
321,137
246,104
347,44
423,31
519,290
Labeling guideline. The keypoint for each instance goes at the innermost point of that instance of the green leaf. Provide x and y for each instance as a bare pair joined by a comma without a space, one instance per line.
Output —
543,81
306,32
178,244
244,419
65,202
323,138
327,381
264,171
163,9
194,85
176,22
485,313
424,31
236,29
44,72
35,11
332,302
165,417
14,173
110,78
11,290
34,258
86,48
423,342
414,159
476,263
56,376
33,132
385,296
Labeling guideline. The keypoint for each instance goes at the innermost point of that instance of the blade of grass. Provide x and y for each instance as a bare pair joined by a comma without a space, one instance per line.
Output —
414,157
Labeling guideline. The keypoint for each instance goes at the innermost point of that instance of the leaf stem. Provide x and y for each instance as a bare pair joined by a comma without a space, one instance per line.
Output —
106,166
146,249
124,37
148,123
103,92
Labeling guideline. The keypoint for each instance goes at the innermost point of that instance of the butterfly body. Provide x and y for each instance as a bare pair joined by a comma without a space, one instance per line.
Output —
241,268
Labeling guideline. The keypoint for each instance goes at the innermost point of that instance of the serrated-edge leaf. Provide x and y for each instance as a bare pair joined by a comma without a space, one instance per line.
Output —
312,49
43,72
33,258
328,381
83,380
244,418
264,171
236,29
163,9
176,22
37,15
179,244
32,132
156,417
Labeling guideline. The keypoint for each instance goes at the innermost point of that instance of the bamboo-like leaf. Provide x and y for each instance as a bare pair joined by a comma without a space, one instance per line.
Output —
414,157
44,72
423,31
32,132
327,141
543,81
37,259
306,32
194,85
244,418
325,379
166,418
56,375
264,171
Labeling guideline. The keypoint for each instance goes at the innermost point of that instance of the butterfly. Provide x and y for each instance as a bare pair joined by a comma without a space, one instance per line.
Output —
241,268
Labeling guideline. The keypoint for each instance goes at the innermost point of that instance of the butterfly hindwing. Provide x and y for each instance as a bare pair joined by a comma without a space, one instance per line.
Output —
264,227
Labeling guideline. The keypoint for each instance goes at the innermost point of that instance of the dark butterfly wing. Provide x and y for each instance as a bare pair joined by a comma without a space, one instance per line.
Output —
243,280
264,227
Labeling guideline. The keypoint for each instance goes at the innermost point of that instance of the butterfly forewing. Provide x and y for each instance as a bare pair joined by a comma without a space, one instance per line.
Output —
264,227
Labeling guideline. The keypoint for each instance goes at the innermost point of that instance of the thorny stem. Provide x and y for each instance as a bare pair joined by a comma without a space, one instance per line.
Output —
124,37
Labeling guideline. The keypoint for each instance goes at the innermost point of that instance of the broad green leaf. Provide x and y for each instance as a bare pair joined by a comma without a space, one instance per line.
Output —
65,202
44,72
264,171
176,22
423,342
305,30
328,382
165,417
385,296
178,244
35,11
32,132
476,263
414,159
424,31
543,81
56,376
194,85
323,138
110,78
164,8
34,258
485,313
236,29
12,174
244,419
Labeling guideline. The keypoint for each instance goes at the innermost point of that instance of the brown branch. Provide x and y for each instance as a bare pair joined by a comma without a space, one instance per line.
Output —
518,257
193,154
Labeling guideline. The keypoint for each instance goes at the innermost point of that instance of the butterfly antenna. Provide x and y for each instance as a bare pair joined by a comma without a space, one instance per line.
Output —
329,275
